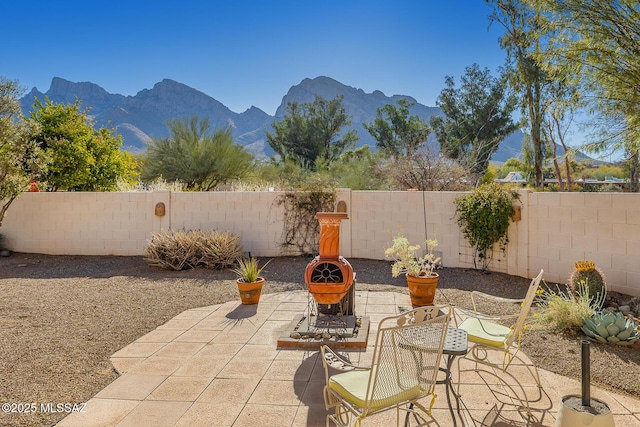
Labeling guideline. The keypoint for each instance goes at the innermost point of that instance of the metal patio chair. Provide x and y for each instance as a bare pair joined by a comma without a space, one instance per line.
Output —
491,339
404,370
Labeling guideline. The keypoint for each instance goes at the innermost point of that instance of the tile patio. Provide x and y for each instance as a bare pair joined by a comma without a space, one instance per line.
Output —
219,366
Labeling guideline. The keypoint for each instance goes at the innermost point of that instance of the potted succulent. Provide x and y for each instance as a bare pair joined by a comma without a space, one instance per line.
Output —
249,280
422,280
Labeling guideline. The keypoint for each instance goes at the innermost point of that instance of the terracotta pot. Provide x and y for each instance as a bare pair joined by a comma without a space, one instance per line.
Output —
573,414
250,292
422,290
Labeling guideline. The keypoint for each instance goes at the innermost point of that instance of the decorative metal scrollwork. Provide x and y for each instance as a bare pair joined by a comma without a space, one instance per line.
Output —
327,273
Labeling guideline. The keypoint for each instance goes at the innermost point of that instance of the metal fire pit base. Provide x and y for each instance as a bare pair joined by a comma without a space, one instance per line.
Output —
330,330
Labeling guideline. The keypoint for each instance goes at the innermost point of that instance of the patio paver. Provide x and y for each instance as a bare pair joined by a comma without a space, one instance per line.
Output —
219,366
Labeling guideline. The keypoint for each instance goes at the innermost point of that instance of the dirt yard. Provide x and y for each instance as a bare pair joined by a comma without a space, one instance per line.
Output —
62,317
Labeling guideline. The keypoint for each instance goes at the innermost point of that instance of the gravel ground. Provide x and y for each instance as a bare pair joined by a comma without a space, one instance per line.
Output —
62,317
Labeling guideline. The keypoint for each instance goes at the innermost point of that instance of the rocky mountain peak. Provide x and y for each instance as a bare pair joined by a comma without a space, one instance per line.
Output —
144,116
68,91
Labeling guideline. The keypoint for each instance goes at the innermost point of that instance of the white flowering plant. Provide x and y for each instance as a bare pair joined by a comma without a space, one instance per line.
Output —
406,260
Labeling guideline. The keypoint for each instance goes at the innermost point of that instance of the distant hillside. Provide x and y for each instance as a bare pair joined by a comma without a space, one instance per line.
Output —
143,116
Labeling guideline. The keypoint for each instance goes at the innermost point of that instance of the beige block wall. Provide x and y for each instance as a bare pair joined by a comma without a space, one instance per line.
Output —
377,216
556,228
603,227
82,223
253,215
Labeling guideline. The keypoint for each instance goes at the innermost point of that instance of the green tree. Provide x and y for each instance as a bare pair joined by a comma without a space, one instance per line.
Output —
81,158
396,133
521,42
597,45
512,165
310,134
477,118
20,158
195,155
358,169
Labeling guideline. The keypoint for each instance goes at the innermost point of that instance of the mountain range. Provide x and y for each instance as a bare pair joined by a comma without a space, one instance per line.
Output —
144,116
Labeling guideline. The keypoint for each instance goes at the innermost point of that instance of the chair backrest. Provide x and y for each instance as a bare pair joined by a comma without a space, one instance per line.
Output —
407,355
524,310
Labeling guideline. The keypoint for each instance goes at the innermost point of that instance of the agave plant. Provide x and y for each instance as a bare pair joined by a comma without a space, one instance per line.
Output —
609,327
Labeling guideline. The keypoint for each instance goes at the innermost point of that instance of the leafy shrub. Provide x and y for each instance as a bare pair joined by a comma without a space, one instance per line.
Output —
566,311
483,216
182,250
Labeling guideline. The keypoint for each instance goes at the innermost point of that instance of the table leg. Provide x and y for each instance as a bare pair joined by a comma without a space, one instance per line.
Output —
449,389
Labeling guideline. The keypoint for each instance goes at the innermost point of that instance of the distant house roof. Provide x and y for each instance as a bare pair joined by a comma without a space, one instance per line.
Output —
512,177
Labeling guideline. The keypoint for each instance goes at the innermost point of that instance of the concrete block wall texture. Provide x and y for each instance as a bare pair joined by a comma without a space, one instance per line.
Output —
556,229
82,223
254,216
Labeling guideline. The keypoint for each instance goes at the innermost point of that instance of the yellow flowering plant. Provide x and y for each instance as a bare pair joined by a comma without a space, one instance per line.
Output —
566,311
406,260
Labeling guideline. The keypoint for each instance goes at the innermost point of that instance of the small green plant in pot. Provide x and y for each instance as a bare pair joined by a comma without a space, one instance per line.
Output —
249,280
422,280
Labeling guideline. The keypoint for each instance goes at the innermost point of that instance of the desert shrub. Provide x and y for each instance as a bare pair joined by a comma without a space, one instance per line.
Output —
157,184
566,311
587,272
425,171
182,250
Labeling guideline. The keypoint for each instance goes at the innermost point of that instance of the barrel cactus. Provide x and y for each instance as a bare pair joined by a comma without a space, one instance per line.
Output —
610,327
587,272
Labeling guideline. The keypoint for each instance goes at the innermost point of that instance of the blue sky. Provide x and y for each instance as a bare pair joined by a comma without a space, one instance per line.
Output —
246,53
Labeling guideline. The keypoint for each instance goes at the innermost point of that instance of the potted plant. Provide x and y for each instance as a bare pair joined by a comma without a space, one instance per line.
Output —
249,281
422,280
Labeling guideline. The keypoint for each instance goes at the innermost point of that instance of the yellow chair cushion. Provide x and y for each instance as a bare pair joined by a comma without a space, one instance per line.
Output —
485,332
352,386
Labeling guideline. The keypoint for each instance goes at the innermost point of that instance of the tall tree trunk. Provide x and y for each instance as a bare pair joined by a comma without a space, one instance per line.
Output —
5,207
634,172
567,150
567,166
535,121
556,166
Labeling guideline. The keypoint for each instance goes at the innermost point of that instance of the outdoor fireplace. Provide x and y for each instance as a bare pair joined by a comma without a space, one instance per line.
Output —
329,276
329,318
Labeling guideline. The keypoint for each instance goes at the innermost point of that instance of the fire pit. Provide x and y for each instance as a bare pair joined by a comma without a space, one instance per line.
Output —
329,277
330,316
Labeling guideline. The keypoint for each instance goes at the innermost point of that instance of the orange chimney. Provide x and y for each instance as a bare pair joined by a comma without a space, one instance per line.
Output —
329,276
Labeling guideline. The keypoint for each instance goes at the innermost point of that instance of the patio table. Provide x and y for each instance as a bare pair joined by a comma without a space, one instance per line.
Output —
455,344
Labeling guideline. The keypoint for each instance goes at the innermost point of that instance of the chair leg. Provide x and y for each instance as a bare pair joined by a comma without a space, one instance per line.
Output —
341,417
479,357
